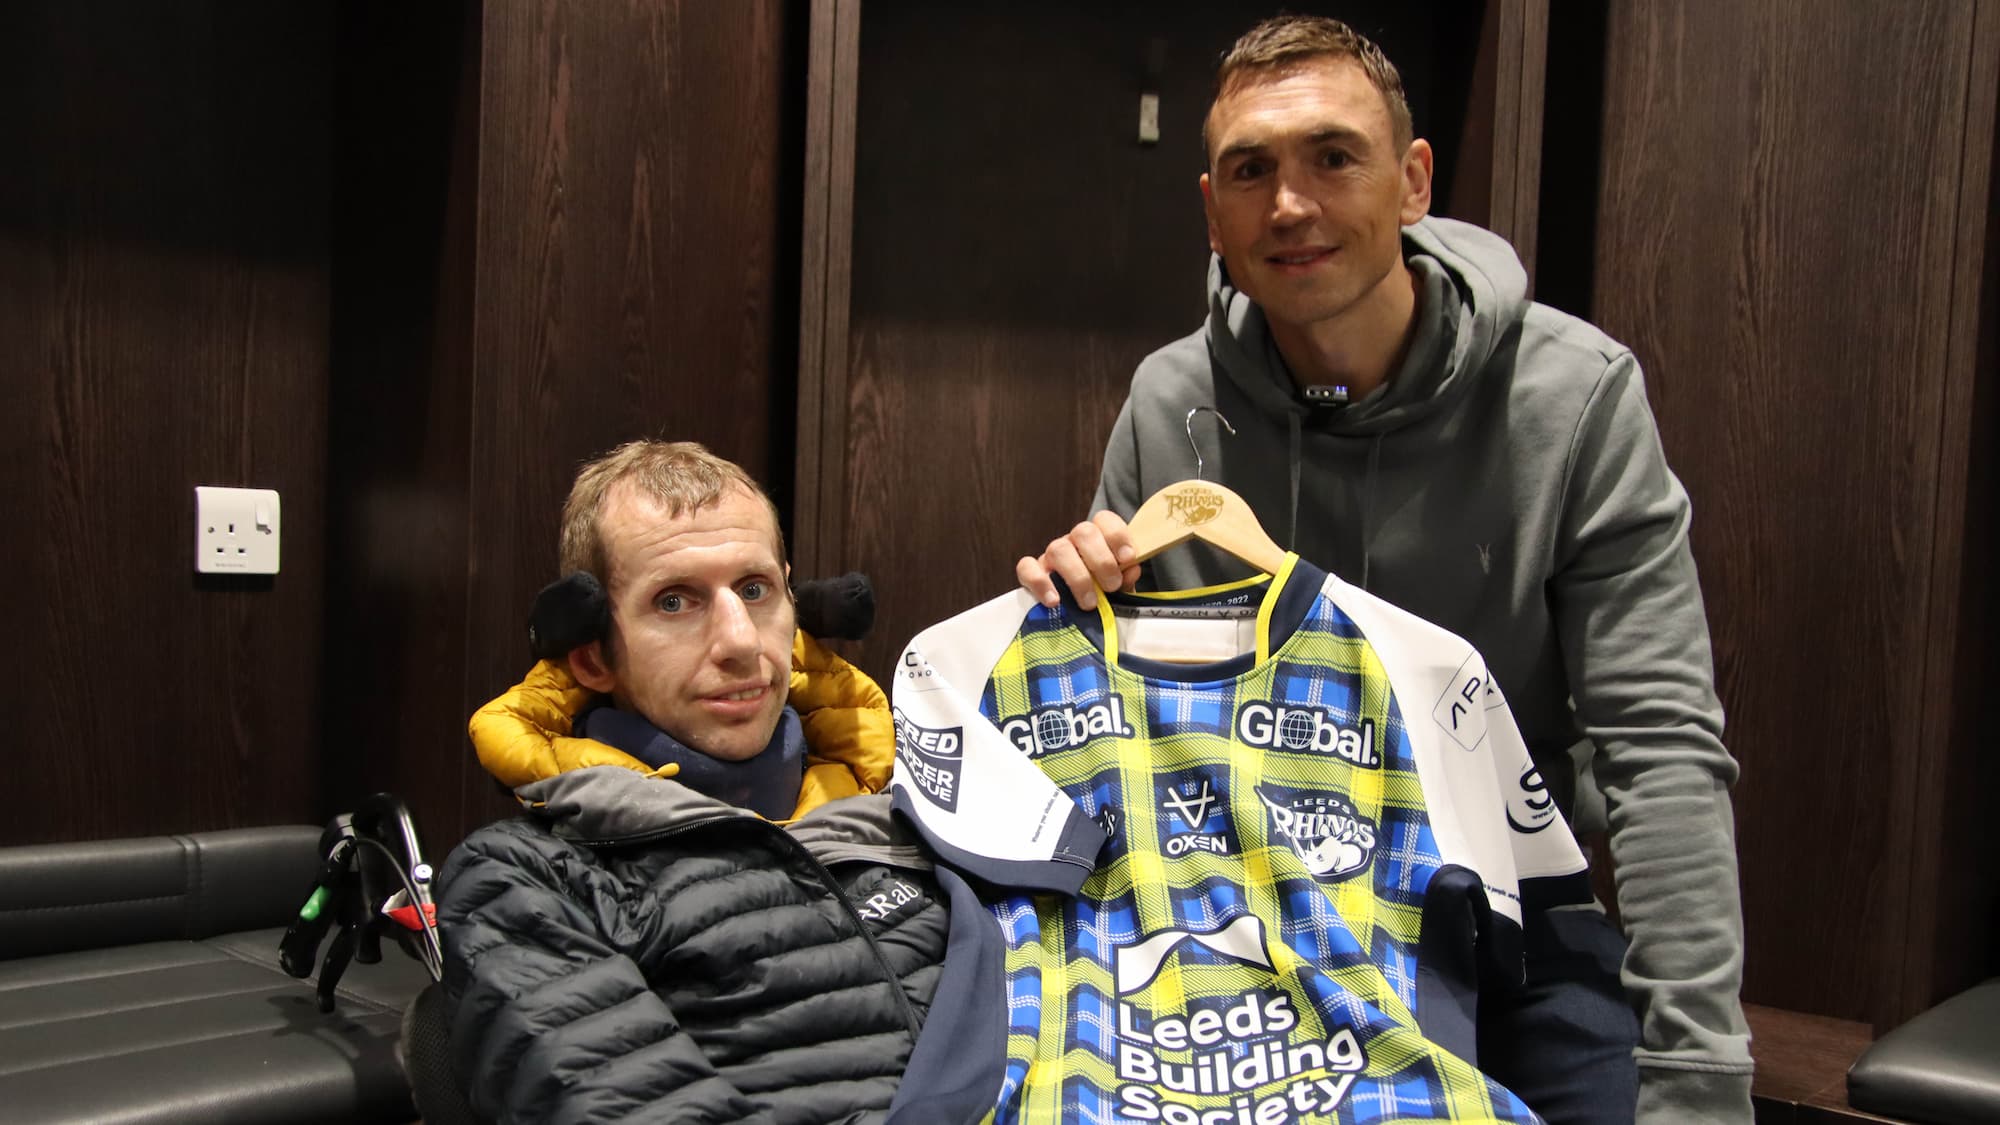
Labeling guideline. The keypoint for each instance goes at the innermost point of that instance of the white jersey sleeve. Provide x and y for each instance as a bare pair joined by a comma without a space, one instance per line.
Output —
977,800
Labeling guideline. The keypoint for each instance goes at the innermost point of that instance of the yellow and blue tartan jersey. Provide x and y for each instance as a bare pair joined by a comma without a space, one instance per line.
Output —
1246,891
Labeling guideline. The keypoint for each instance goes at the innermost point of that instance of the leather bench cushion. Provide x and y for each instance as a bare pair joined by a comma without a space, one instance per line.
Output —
1943,1066
67,897
209,1031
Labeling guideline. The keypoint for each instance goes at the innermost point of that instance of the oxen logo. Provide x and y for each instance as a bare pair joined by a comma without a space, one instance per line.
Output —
930,759
1191,804
1329,835
1194,505
1530,808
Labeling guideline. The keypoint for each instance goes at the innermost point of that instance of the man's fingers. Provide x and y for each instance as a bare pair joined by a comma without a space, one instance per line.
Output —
1117,538
1034,578
1062,558
1094,554
1099,557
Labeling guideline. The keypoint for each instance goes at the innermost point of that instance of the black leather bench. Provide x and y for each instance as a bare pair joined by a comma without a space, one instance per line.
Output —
1942,1067
139,982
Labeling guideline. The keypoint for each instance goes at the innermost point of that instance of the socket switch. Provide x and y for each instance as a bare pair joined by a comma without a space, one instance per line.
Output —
235,530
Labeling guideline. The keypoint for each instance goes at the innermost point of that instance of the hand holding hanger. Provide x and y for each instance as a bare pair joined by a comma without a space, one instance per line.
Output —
1108,551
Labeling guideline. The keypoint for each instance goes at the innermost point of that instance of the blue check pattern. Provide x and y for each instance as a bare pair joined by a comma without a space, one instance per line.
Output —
1314,1020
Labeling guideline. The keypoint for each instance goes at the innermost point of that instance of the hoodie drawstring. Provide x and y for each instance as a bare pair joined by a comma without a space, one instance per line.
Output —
1367,500
1292,528
1367,493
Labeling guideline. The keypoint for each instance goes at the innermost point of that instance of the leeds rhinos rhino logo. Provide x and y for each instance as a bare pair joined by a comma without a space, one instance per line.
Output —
1328,835
1194,505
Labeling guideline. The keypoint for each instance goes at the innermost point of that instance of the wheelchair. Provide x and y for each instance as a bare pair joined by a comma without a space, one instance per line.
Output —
373,883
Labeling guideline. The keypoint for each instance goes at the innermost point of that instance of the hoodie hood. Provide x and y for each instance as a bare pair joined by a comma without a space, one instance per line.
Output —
1473,291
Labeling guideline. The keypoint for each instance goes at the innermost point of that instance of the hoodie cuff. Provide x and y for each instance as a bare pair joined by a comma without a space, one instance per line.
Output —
1674,1095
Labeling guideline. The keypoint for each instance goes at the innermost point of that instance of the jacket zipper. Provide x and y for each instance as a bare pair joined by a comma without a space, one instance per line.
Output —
881,960
825,877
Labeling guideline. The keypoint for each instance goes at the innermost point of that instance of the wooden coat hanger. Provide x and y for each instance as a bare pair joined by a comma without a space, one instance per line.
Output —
1204,510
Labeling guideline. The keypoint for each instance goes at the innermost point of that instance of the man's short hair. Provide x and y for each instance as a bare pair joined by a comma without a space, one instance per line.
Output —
1282,42
682,476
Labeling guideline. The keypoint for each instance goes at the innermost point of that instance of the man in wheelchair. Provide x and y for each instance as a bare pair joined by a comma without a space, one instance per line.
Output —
705,911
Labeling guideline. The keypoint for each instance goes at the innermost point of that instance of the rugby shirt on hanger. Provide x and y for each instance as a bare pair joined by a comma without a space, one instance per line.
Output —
1258,890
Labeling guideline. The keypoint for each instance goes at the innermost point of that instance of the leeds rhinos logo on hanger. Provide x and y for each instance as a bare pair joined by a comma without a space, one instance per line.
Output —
930,759
1329,835
1194,505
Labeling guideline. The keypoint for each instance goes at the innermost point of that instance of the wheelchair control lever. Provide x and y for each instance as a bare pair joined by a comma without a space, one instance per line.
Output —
372,874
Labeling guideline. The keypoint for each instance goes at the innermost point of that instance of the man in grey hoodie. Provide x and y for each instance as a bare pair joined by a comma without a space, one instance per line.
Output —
1406,417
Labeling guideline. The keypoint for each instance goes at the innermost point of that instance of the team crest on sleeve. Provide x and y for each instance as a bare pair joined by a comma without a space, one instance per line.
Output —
1328,835
931,759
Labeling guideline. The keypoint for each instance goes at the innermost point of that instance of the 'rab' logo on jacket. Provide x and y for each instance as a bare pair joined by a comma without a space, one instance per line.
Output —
887,902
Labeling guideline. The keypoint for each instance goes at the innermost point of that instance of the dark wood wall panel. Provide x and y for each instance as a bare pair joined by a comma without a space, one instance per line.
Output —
638,216
1955,904
1791,295
163,324
400,409
1016,251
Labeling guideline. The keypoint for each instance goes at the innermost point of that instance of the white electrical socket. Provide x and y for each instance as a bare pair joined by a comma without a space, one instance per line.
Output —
1149,118
235,530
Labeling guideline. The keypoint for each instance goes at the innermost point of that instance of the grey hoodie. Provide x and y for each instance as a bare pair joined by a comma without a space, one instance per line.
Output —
1507,483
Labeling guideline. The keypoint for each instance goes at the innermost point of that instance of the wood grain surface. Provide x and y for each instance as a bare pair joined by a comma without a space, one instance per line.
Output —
164,216
1793,298
399,413
636,238
407,268
1016,251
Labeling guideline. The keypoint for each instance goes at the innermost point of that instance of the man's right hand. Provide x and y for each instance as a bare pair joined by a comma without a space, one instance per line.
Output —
1099,551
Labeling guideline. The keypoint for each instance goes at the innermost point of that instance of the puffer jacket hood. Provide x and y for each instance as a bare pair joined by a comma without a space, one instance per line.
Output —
1477,280
524,736
610,805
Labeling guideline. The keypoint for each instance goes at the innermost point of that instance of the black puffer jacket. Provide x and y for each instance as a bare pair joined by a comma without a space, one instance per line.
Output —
634,950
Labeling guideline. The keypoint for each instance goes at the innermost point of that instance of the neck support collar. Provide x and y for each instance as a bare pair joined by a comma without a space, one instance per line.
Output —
766,784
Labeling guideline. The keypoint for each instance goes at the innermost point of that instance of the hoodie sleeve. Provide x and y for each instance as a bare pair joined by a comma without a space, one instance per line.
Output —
1634,638
549,1021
